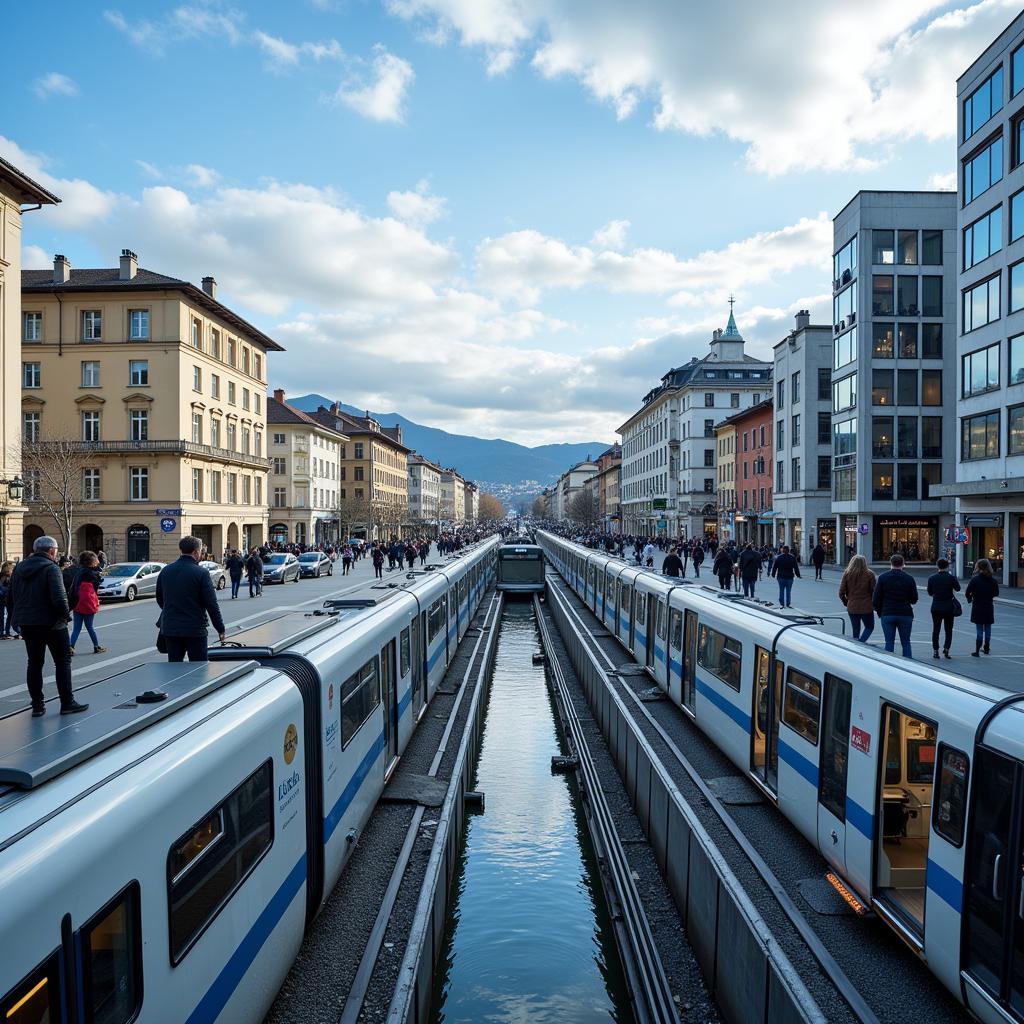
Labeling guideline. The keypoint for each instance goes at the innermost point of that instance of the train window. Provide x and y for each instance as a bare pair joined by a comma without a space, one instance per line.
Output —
404,649
949,809
662,621
641,609
835,746
893,753
921,759
36,998
801,705
675,629
624,599
435,618
198,891
463,590
721,655
112,961
360,694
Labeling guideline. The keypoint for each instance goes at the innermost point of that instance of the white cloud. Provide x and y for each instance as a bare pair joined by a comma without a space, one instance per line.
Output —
824,86
208,18
943,181
35,257
417,207
282,55
382,98
202,177
53,83
611,236
150,169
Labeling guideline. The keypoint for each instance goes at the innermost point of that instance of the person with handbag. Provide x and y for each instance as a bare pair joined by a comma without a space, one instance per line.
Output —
981,593
942,587
84,600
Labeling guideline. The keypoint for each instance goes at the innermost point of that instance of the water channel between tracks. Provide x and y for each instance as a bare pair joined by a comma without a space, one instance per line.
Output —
529,937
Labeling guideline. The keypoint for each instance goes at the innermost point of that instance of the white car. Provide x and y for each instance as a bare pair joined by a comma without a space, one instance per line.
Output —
126,581
218,574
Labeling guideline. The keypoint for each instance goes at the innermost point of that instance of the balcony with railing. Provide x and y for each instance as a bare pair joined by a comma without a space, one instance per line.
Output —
181,447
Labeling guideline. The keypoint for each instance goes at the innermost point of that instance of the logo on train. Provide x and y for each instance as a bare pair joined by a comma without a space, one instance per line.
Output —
330,697
291,743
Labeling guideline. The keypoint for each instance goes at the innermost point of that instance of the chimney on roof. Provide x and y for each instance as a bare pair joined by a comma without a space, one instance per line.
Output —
61,269
129,265
210,286
803,319
335,410
279,395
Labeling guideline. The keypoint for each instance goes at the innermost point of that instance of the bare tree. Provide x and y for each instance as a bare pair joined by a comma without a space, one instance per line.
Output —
54,478
539,507
490,507
582,508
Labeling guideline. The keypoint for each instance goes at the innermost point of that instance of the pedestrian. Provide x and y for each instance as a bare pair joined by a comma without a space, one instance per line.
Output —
894,599
235,567
649,555
346,560
722,568
254,573
856,591
410,555
785,569
942,586
424,550
378,561
750,569
818,560
185,594
41,610
698,559
981,593
84,600
672,565
6,602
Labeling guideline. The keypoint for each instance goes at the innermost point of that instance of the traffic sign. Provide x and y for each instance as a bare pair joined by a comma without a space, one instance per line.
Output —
168,511
864,528
168,524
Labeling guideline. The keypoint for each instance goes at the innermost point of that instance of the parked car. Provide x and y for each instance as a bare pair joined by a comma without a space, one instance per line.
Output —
129,580
280,568
315,563
218,574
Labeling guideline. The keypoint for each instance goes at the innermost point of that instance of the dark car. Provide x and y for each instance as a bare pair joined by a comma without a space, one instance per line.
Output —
281,568
315,563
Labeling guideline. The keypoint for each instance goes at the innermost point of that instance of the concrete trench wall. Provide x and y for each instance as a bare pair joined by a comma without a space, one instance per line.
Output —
748,973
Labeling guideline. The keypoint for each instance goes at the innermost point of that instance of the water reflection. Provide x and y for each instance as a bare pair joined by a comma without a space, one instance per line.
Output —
529,938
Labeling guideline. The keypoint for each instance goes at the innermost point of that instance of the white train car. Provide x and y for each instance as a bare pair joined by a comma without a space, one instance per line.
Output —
162,855
927,829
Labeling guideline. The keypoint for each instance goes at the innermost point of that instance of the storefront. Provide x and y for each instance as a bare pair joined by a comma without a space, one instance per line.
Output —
915,538
826,537
137,543
849,538
797,538
987,541
279,533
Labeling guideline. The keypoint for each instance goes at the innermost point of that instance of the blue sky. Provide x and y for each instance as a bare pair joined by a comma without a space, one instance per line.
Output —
502,217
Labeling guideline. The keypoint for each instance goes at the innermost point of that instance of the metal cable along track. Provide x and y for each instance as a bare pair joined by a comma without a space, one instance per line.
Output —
830,967
650,991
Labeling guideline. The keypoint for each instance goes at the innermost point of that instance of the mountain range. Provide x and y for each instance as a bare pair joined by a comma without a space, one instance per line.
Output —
484,460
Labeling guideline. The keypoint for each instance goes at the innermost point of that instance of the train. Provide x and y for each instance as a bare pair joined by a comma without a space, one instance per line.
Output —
521,568
162,855
908,780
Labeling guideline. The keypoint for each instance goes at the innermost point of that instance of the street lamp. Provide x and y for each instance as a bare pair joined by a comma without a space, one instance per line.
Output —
15,488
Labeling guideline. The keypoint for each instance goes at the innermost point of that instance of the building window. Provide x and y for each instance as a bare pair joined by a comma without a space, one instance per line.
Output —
709,399
279,467
359,492
138,373
931,248
197,334
258,483
931,387
881,437
906,437
824,428
1016,287
30,427
981,304
214,485
256,402
881,387
258,444
1015,426
90,426
796,431
979,437
231,392
214,431
138,424
780,435
883,250
734,400
907,248
882,340
709,456
779,477
245,398
844,393
358,473
232,436
245,360
279,439
844,307
844,262
232,488
824,472
92,325
906,387
215,343
906,295
358,450
1016,216
709,486
980,371
983,237
824,384
983,103
246,490
90,374
214,385
907,337
197,427
257,366
197,379
138,324
90,485
32,326
138,483
280,497
881,481
983,170
844,350
795,472
906,481
31,375
246,439
795,388
197,485
780,395
931,437
881,293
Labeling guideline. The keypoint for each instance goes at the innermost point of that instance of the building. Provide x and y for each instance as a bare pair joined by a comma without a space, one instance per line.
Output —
143,399
802,434
668,445
16,190
305,474
988,485
609,467
753,487
894,373
453,498
725,477
571,483
424,492
374,485
472,502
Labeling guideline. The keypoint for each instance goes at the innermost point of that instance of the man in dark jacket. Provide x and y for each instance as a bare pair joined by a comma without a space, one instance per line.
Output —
750,568
254,570
672,565
698,559
235,567
785,568
818,560
894,598
184,592
41,610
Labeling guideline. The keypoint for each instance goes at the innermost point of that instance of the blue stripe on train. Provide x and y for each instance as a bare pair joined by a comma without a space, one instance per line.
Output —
946,886
862,820
348,794
800,764
738,715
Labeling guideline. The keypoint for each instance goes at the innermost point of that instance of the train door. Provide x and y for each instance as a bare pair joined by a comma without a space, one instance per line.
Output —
389,686
690,662
652,621
764,751
625,620
905,802
993,954
674,658
419,665
832,771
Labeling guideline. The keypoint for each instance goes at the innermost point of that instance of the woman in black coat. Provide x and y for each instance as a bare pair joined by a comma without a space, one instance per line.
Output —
941,587
981,593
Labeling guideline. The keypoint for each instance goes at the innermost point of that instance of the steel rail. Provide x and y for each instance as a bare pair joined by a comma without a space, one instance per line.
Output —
830,967
650,990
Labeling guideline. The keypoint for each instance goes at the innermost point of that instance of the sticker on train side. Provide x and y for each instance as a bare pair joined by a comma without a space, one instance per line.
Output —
860,740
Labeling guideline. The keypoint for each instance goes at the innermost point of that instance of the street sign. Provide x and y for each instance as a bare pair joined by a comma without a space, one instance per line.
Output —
662,524
863,528
168,511
168,524
958,534
659,503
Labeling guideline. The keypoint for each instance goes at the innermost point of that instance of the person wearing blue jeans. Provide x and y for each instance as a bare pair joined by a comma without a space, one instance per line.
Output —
785,568
85,620
894,599
981,593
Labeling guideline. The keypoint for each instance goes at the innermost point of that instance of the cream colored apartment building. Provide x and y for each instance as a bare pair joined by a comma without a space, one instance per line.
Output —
453,497
424,491
305,475
160,390
16,190
471,498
